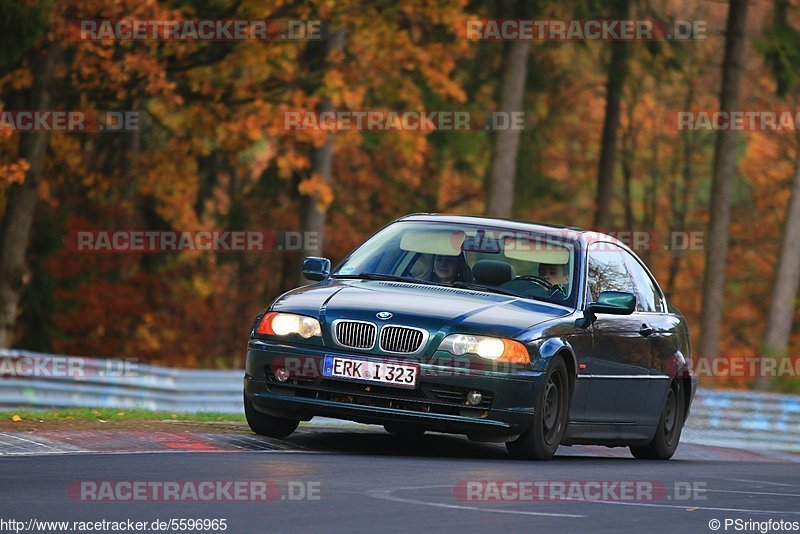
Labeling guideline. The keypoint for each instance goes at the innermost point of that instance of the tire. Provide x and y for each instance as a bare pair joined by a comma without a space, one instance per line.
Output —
670,425
405,430
542,438
268,425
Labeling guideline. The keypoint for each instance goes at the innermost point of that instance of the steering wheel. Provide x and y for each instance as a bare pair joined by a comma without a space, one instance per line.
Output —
538,279
552,289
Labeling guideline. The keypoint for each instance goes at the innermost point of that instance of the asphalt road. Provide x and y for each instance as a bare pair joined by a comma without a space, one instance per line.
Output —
362,480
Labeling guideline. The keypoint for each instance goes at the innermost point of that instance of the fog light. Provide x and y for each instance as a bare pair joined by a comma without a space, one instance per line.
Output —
281,374
474,397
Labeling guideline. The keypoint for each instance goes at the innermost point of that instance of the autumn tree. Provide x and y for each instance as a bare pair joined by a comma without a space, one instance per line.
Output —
23,40
503,165
781,51
318,187
617,70
724,172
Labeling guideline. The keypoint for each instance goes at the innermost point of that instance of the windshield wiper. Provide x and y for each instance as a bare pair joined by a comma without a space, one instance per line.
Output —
481,287
383,278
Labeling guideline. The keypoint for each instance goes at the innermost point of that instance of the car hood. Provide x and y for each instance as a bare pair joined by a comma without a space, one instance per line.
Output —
435,308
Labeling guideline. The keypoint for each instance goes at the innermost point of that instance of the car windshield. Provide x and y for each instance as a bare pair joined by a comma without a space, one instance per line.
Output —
469,256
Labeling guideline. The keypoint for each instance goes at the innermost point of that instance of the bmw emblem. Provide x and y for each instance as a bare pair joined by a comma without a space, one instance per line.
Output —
383,316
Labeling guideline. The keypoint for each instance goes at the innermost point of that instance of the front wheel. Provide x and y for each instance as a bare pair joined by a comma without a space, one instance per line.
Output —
541,439
268,425
665,442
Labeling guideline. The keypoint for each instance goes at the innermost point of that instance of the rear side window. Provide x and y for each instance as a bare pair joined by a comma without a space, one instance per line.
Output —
607,270
648,297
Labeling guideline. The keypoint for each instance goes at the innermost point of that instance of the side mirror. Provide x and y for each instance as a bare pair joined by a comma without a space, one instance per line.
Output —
614,302
316,268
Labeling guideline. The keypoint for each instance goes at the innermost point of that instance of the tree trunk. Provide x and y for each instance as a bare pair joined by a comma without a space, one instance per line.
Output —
680,208
21,205
628,154
503,167
787,281
651,195
617,69
722,184
627,175
321,160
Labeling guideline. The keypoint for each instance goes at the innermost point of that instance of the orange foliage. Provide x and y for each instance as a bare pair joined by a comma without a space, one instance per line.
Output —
214,154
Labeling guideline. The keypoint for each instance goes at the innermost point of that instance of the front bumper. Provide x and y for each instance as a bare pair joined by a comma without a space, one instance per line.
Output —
438,402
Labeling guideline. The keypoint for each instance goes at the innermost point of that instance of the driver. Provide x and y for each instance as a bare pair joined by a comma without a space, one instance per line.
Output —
557,274
448,269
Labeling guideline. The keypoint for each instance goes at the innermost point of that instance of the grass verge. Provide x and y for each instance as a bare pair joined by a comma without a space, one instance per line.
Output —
112,414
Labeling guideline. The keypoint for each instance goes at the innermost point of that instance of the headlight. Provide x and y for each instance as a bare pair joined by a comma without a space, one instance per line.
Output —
283,324
489,348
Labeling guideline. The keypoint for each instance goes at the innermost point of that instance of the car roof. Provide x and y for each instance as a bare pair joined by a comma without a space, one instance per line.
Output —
569,233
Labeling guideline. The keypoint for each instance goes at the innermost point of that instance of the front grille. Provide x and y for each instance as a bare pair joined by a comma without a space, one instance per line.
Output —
414,400
401,339
355,334
437,398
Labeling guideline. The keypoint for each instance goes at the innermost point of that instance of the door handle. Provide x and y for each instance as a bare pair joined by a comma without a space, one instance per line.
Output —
645,330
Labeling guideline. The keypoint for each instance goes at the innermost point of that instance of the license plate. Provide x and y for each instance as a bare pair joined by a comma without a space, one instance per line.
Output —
391,374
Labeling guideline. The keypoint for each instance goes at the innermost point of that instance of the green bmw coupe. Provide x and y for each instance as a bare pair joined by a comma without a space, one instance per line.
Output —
528,334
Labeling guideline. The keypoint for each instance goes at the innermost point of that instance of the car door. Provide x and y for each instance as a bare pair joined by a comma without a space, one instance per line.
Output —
620,365
581,343
663,339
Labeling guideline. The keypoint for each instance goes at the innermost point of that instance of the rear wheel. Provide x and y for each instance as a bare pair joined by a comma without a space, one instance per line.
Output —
405,430
268,425
670,425
541,439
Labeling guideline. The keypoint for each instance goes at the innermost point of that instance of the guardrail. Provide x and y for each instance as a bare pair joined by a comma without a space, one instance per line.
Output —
33,380
742,419
745,419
